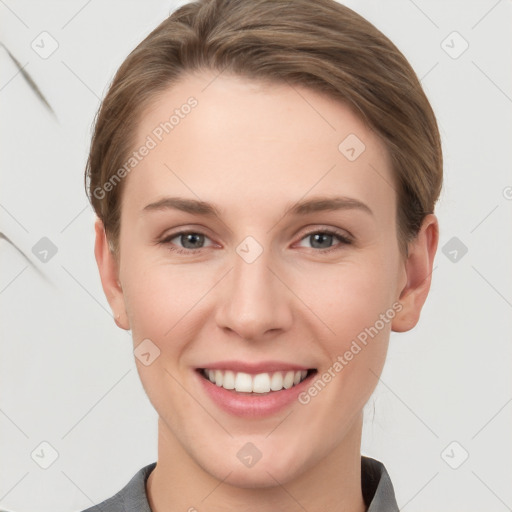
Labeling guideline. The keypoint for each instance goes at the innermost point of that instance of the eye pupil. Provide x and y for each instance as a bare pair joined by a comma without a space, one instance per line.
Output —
319,237
196,240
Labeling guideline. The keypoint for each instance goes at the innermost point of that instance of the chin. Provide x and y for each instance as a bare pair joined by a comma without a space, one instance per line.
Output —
275,467
256,477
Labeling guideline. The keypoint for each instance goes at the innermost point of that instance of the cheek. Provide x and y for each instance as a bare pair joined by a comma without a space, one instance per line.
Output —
355,306
159,297
346,297
354,302
340,299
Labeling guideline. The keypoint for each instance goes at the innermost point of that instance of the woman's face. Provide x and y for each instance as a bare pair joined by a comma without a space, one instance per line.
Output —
291,260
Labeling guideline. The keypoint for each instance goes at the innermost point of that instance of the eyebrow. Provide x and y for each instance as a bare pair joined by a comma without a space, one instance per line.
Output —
316,204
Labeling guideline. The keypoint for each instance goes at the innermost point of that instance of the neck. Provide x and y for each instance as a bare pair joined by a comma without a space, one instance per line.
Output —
178,483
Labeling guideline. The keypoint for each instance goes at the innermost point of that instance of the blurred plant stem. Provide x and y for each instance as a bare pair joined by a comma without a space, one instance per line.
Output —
28,79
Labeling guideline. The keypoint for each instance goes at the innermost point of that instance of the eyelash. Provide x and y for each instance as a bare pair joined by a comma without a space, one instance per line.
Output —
345,240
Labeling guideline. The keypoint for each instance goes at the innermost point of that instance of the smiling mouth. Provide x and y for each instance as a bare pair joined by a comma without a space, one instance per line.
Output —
257,384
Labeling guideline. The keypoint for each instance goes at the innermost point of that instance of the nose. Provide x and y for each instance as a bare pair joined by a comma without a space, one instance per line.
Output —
254,303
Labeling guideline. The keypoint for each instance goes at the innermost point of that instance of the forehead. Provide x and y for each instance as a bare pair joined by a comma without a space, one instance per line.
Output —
239,143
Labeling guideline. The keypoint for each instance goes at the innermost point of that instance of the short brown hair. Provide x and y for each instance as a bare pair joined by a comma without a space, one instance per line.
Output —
319,44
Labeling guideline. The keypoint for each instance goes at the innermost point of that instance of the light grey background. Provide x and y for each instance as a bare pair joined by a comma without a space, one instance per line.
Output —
67,373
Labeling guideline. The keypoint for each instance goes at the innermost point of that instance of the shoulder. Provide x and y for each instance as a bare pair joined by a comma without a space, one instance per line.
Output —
131,498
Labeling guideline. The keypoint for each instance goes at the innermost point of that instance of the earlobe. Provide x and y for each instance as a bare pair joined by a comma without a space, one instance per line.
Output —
418,270
109,275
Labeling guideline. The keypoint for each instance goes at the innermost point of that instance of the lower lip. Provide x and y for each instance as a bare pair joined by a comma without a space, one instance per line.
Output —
252,404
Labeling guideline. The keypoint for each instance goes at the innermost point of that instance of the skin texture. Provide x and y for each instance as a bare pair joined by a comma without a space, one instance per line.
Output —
255,150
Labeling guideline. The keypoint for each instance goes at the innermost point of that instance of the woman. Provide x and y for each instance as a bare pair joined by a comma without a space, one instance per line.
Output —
264,175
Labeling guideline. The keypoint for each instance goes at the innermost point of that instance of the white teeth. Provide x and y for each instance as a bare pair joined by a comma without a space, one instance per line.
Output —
229,380
288,380
218,377
276,384
260,383
243,382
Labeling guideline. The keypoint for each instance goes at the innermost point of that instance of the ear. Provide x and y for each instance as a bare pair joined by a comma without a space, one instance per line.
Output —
109,275
418,272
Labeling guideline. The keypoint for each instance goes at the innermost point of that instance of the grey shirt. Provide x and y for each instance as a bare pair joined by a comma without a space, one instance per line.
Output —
378,492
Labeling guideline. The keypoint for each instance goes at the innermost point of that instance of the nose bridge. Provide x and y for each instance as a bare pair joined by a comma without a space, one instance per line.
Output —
255,301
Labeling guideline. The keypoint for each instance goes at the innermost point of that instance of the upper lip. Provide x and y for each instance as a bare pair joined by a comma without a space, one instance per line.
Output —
254,368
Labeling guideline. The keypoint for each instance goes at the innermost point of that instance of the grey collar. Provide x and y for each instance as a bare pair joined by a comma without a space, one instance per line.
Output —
378,492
